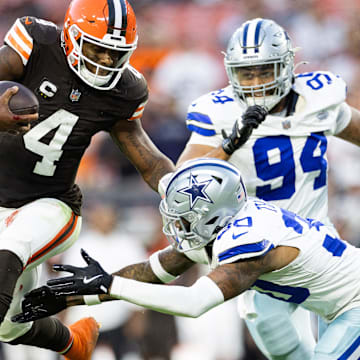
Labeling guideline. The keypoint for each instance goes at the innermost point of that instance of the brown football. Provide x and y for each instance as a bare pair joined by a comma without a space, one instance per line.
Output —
24,102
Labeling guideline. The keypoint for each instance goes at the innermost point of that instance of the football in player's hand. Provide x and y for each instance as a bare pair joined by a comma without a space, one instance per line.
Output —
24,102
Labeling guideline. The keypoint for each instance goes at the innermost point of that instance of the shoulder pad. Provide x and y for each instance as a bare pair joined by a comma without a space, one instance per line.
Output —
239,243
132,84
42,31
198,256
28,31
212,112
320,90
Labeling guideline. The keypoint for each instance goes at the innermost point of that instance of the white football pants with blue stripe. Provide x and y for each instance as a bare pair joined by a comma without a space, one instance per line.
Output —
282,331
340,339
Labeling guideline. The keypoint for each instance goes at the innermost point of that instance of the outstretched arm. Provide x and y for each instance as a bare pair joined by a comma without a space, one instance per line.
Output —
133,141
223,283
162,266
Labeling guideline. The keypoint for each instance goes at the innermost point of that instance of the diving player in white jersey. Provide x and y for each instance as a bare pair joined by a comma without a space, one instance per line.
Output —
283,160
247,242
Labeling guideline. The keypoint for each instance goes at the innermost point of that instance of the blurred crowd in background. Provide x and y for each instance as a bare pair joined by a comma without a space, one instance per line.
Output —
179,52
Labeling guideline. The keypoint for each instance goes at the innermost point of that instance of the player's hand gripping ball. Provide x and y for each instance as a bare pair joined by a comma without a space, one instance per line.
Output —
18,107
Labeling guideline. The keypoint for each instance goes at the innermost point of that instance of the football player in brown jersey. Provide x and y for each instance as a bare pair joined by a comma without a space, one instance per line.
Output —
85,84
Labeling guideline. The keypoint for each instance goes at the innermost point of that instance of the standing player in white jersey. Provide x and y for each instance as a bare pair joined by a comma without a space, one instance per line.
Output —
248,242
283,160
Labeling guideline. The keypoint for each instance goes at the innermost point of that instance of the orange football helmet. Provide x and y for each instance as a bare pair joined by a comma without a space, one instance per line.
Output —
110,24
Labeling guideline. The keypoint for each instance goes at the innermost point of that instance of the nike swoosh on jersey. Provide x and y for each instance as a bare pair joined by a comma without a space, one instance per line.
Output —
87,281
27,21
238,235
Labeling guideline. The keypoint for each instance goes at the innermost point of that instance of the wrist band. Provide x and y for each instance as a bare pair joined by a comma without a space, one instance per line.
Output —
92,299
116,287
158,270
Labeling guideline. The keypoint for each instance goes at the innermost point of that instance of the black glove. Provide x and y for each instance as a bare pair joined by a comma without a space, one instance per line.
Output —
40,303
251,119
89,280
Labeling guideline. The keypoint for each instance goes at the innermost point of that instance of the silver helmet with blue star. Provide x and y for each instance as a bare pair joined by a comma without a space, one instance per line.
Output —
201,197
260,48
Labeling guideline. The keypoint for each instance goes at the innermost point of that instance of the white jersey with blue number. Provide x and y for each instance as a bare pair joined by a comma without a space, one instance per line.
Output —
324,278
284,161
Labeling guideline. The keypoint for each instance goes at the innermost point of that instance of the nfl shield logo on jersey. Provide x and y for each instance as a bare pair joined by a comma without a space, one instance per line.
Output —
75,95
322,115
286,124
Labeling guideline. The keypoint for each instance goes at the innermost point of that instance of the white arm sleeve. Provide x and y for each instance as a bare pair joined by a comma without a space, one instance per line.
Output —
190,301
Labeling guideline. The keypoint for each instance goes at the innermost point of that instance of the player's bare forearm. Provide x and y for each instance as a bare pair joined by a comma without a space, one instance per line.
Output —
162,166
174,262
133,141
141,272
171,260
194,151
235,278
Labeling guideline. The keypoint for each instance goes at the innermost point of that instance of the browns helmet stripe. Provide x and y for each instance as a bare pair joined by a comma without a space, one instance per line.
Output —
111,8
124,17
117,17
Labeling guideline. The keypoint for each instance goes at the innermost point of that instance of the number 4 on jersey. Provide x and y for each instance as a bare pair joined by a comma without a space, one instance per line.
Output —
61,120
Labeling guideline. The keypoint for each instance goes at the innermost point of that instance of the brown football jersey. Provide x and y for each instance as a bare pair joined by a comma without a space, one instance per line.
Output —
44,161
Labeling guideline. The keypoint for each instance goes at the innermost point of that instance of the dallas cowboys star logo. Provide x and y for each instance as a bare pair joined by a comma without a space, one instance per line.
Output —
196,190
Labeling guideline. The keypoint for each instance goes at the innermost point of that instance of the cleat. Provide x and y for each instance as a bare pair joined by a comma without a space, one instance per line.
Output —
85,333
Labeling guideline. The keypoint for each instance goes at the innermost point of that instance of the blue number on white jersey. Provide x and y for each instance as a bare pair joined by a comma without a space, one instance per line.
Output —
219,98
286,166
315,82
309,162
333,245
291,294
